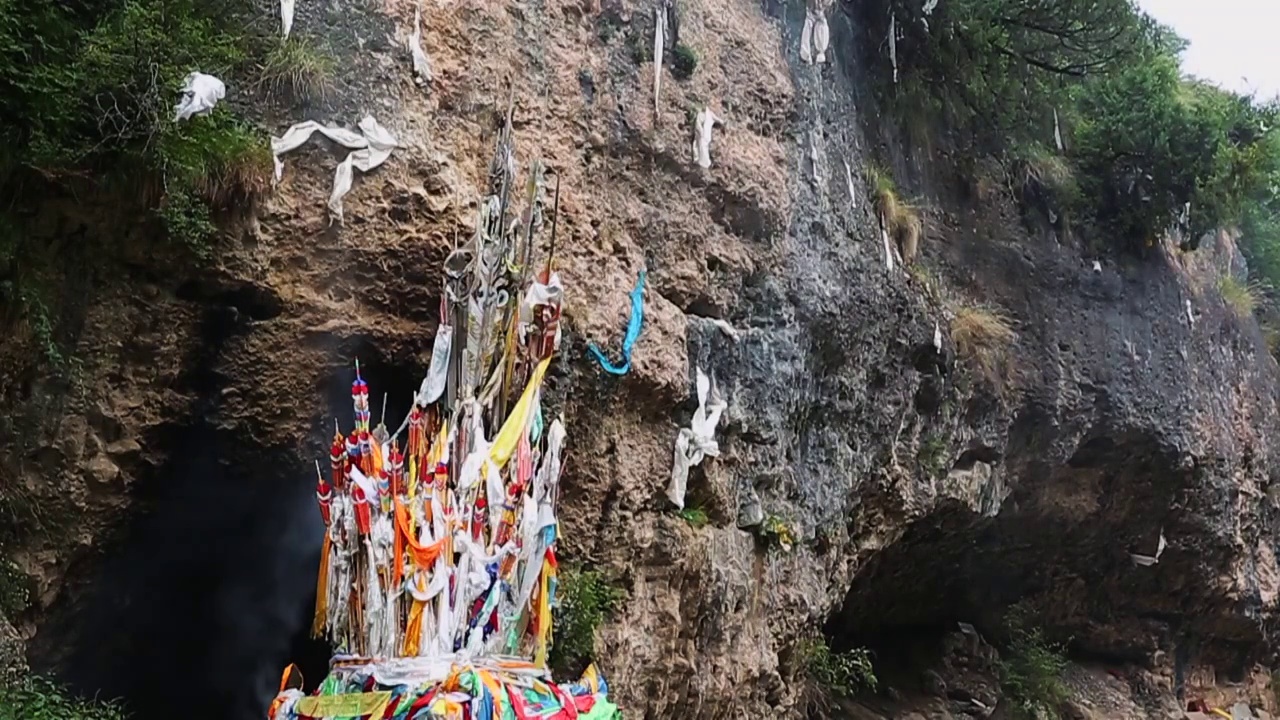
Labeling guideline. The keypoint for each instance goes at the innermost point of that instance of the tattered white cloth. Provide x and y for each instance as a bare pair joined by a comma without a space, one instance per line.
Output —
200,93
893,45
815,37
659,40
286,17
421,65
698,440
705,121
369,150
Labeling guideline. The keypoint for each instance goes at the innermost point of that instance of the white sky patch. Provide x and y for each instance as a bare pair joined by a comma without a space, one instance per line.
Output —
1232,41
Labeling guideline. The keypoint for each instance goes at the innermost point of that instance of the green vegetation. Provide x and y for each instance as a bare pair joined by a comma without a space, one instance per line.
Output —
584,599
93,88
14,591
683,62
845,673
40,699
298,69
696,517
933,455
1031,671
1142,143
1241,297
777,532
39,326
90,89
828,674
1260,230
1033,169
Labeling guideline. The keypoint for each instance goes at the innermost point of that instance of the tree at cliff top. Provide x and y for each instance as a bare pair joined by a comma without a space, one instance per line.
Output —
1141,141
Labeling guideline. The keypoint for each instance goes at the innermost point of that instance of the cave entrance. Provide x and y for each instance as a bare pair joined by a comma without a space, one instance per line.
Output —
197,605
208,591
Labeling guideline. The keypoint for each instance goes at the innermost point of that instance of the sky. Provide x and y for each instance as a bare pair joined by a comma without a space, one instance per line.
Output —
1232,41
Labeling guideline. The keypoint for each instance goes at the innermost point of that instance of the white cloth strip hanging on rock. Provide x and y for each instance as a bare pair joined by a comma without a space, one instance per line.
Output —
848,176
705,121
893,46
813,156
821,36
659,31
421,65
200,93
698,440
888,247
806,38
286,17
815,37
1149,560
368,150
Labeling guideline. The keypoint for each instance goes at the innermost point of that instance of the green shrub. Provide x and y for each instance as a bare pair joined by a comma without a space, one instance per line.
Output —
1033,167
36,698
1031,671
844,673
40,327
683,62
584,599
777,532
1260,222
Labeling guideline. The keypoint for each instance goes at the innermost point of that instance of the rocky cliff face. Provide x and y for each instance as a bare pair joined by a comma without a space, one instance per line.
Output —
170,522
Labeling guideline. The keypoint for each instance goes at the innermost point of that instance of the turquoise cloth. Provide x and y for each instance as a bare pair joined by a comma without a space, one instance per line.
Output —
634,326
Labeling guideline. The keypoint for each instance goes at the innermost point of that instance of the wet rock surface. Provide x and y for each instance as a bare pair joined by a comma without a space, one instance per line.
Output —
915,494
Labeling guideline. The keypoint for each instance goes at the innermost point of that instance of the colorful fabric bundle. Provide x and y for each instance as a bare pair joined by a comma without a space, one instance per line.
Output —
486,689
438,568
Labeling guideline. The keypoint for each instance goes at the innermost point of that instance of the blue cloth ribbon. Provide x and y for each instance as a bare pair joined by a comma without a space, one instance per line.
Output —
633,332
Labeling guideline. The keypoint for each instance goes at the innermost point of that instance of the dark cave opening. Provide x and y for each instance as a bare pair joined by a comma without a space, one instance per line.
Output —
206,594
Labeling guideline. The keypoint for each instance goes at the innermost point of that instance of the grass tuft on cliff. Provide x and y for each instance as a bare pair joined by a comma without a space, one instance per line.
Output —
584,599
983,337
1241,297
902,221
36,698
298,69
1035,168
